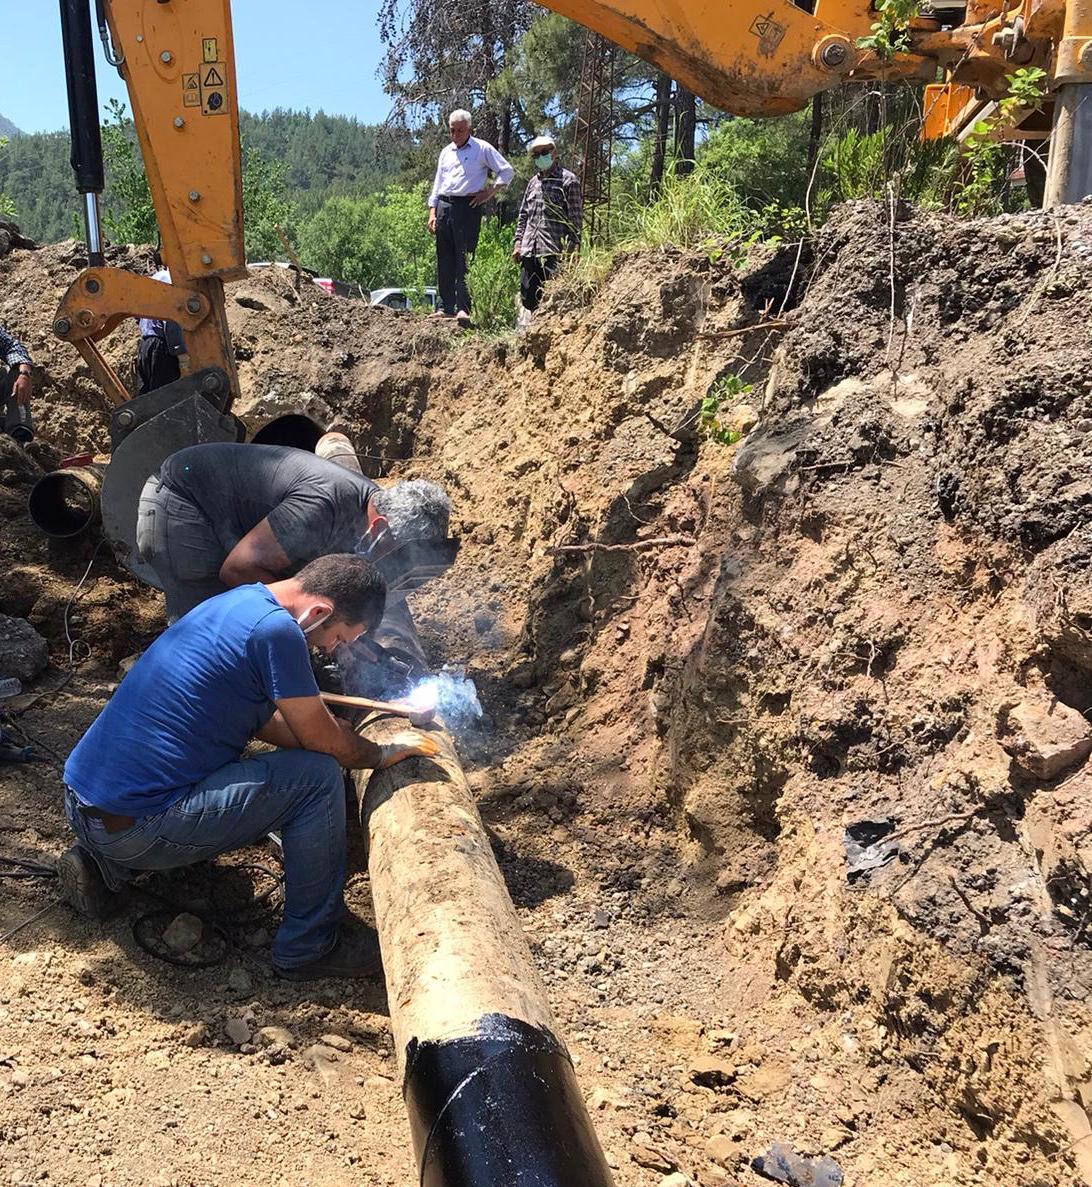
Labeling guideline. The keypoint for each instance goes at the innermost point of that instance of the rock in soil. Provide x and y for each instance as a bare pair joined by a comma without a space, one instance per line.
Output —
183,933
23,652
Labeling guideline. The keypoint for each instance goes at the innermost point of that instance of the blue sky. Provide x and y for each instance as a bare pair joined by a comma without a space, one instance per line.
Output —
314,54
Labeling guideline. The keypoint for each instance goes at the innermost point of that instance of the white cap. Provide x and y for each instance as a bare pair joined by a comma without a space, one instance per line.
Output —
541,142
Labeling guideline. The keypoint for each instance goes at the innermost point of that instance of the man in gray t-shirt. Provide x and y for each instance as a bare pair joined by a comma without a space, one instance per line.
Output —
224,514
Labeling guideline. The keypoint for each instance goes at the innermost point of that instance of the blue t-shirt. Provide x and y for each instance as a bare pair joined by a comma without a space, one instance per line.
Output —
191,703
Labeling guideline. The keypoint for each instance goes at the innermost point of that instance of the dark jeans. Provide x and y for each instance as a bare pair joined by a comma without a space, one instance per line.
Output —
17,421
458,225
534,271
299,792
156,365
181,546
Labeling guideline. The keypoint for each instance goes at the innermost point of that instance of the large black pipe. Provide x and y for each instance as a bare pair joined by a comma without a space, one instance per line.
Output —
501,1107
490,1090
294,428
83,117
66,502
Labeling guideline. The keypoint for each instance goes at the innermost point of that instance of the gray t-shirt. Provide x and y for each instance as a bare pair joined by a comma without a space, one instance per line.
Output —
314,507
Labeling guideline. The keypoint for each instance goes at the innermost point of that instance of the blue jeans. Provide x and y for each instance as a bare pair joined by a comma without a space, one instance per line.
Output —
299,793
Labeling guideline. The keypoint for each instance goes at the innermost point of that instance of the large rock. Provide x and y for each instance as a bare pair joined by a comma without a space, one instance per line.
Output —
23,652
1045,737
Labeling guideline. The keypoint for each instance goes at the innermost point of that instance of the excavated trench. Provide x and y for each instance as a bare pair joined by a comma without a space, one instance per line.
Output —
785,741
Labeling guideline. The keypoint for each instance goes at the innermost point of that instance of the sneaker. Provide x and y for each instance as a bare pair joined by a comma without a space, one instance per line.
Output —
355,955
82,885
463,319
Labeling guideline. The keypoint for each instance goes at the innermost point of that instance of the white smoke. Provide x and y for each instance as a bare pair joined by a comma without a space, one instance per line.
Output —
451,693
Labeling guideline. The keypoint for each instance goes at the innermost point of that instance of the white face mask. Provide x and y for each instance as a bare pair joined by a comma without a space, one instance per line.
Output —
315,625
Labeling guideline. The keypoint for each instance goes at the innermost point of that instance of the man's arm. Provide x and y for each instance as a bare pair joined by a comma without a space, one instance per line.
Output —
15,354
12,350
317,729
257,557
277,732
434,196
501,170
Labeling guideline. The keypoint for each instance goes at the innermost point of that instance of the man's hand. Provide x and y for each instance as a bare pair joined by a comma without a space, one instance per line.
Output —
23,389
483,196
257,557
432,220
408,744
515,252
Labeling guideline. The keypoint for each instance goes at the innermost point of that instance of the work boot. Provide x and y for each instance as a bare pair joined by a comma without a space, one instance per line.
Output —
82,885
355,955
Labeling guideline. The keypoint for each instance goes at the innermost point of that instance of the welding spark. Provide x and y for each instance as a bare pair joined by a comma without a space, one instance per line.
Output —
450,693
426,696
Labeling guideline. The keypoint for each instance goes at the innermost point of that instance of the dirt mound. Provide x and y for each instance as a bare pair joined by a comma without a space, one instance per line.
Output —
785,743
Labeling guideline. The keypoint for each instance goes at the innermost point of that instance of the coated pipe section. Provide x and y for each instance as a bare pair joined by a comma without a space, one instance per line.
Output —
66,503
491,1092
336,447
490,1089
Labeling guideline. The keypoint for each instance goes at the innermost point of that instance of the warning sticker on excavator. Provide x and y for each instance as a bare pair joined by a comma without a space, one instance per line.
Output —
209,50
213,88
191,90
769,34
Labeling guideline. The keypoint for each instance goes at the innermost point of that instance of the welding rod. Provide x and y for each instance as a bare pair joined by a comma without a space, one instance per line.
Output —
416,716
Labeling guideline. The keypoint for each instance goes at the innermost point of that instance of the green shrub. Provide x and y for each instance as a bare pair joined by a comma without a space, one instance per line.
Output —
377,241
493,278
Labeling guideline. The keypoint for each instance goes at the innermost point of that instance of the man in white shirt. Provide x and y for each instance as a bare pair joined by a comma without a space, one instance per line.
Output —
461,188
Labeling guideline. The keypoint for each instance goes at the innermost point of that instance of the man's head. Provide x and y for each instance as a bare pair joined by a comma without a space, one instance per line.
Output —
410,510
458,125
543,152
335,599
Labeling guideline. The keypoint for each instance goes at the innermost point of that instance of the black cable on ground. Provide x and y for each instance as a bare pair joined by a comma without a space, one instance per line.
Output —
16,867
217,923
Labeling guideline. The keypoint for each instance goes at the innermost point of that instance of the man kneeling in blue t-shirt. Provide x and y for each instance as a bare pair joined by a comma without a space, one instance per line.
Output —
157,781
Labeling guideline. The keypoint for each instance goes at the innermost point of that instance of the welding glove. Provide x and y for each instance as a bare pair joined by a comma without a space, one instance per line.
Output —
407,744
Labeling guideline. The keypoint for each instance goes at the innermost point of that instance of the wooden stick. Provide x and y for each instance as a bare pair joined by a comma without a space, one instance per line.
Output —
417,716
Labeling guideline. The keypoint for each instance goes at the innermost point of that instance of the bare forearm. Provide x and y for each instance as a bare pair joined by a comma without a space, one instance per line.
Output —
232,575
277,732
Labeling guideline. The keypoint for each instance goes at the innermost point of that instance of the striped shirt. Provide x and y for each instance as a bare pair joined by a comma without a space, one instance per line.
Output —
549,216
12,351
464,171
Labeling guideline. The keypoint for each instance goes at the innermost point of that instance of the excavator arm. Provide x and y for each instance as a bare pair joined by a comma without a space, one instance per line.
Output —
178,62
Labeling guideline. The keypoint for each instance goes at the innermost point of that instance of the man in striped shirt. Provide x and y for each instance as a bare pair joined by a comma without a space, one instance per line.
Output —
548,225
16,388
460,189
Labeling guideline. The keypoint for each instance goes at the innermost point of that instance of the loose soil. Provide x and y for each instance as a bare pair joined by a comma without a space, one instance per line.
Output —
700,665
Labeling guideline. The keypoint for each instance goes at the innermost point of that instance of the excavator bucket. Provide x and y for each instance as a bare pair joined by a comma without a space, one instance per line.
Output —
144,433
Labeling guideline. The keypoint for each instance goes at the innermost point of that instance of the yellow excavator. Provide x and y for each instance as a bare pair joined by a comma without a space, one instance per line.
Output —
751,57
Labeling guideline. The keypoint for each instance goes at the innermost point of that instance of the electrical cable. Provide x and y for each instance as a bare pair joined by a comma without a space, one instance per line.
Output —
25,869
217,922
72,643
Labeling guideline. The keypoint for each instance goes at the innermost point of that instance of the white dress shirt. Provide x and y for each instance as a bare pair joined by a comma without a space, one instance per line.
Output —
464,171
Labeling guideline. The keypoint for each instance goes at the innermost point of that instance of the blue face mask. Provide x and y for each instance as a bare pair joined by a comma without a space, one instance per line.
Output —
544,160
